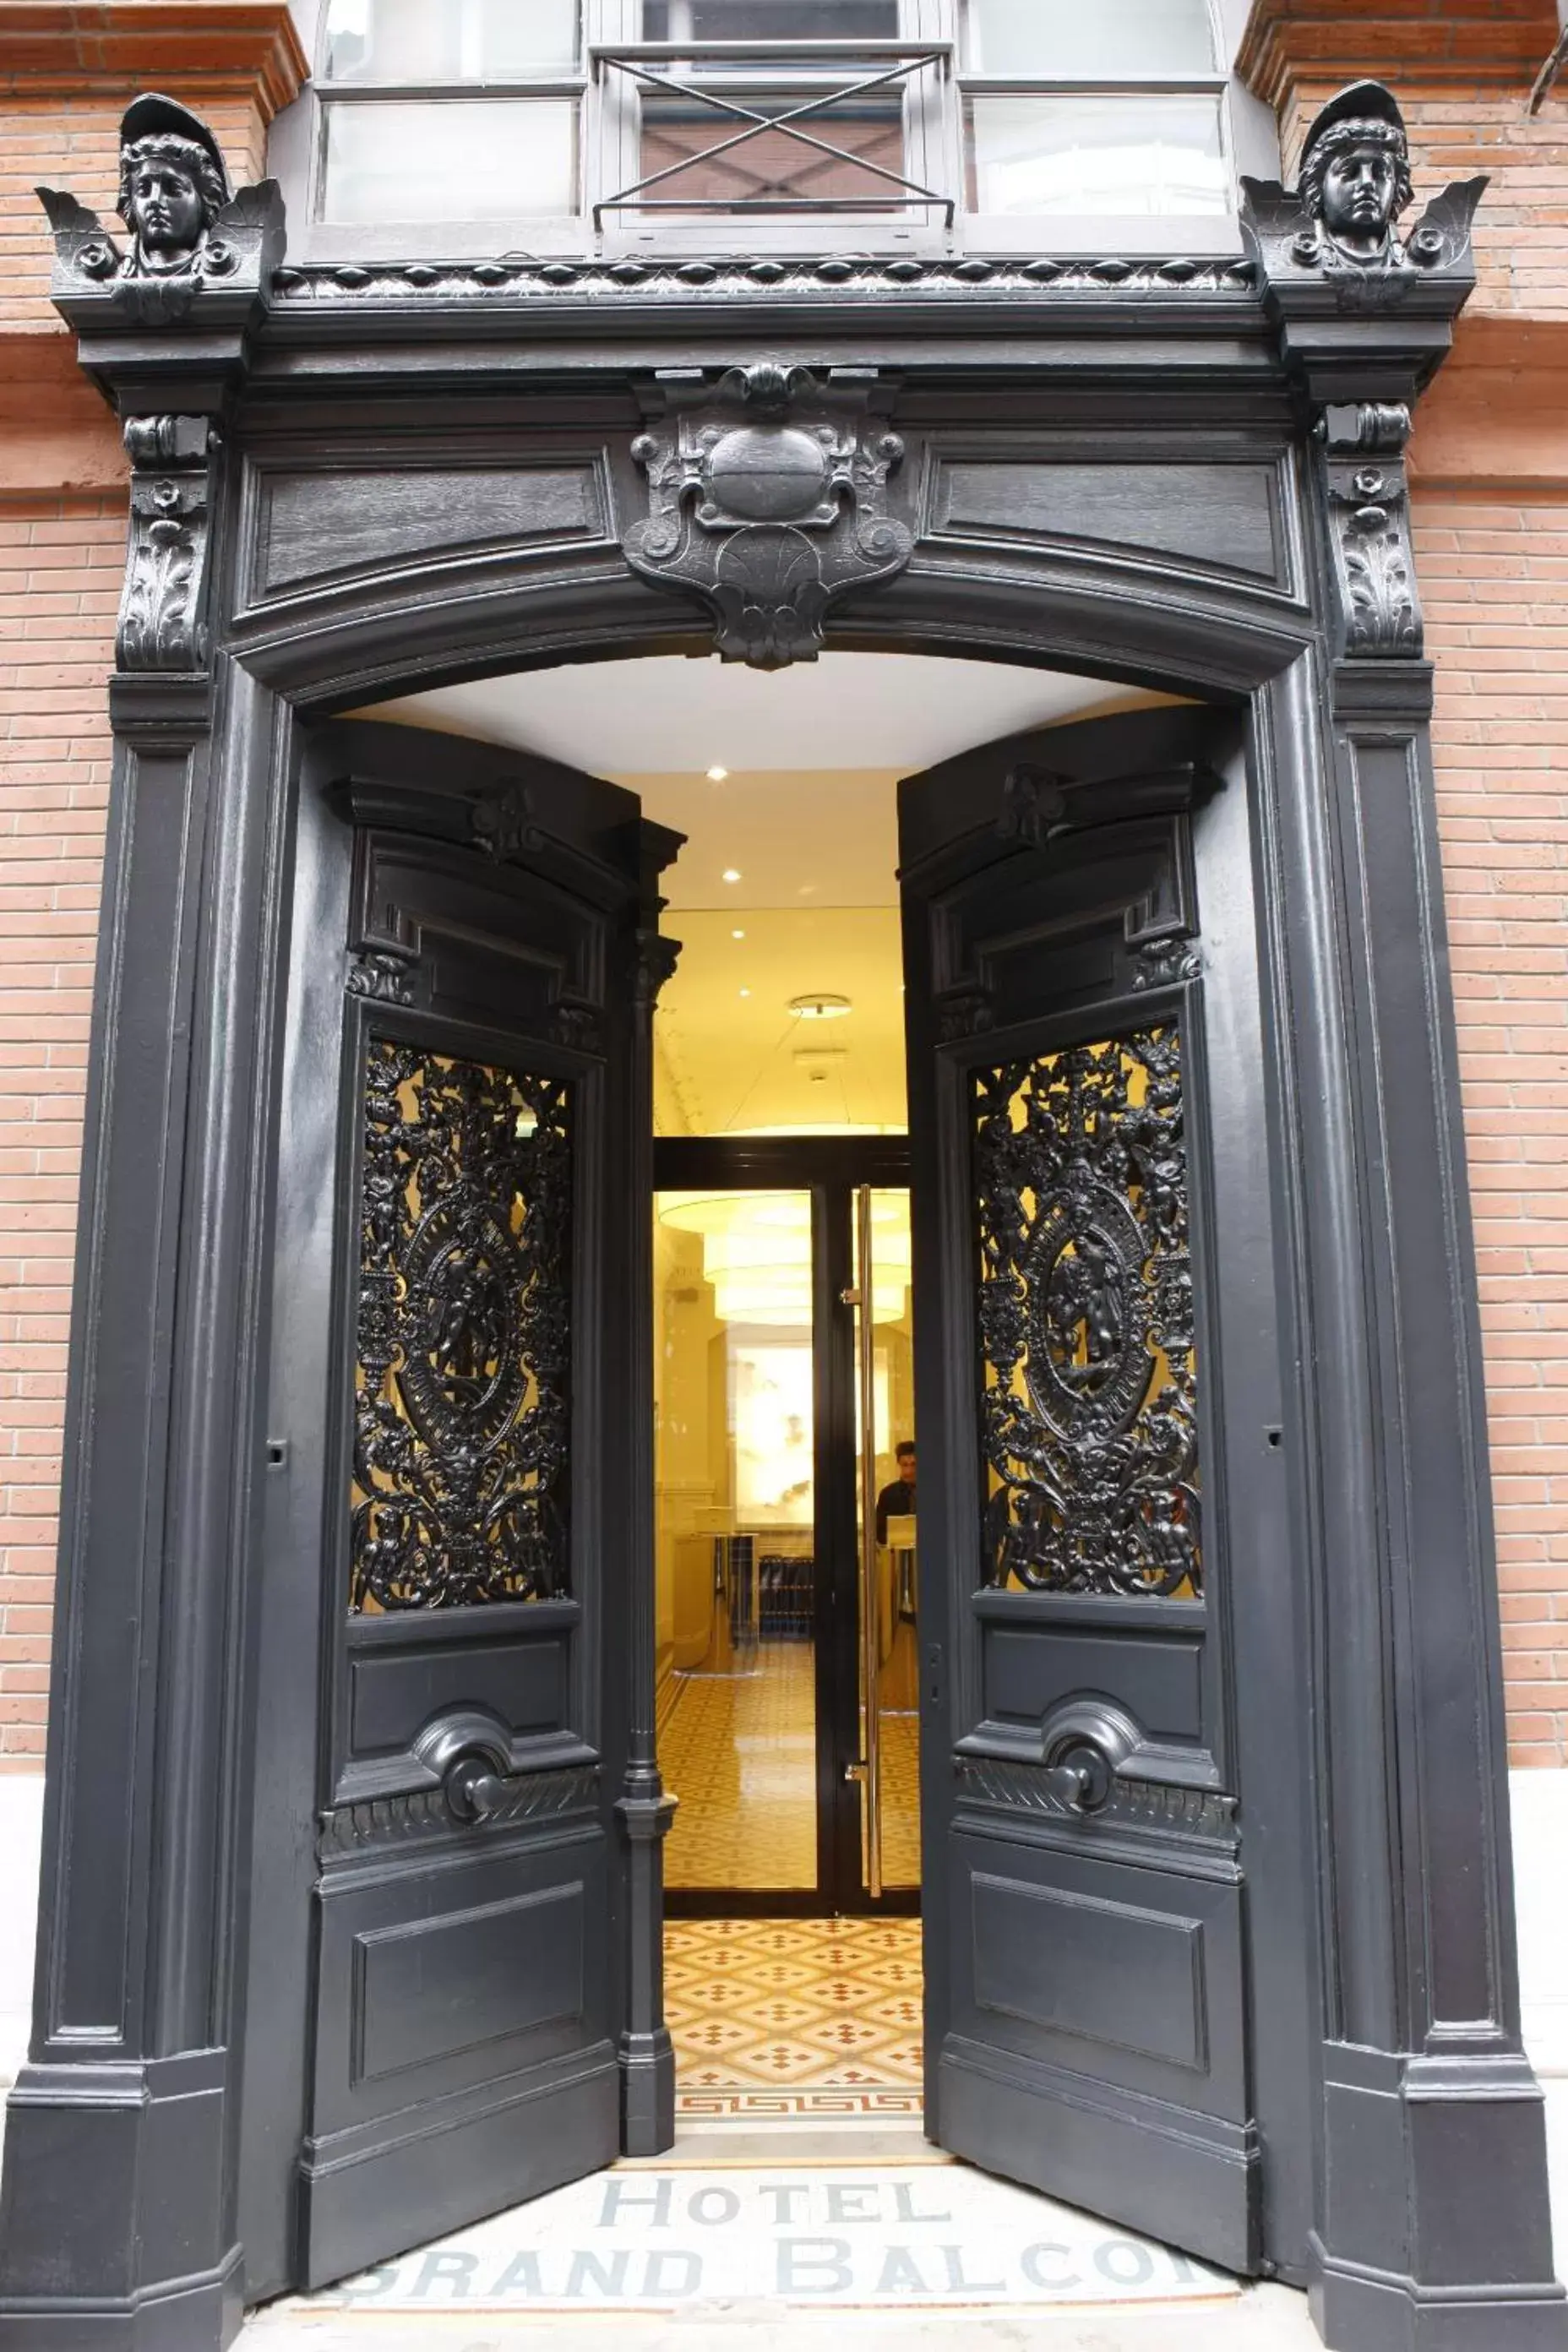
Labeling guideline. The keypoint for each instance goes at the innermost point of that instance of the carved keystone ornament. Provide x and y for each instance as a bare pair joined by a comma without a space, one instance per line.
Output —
767,496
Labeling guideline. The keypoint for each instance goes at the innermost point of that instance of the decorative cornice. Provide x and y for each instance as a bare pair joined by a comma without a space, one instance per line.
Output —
245,49
731,277
1497,44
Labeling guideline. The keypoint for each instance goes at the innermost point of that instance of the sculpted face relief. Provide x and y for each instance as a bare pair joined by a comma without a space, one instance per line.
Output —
1361,191
171,187
167,213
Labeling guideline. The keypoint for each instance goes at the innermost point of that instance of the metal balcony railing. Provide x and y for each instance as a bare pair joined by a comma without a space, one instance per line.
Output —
775,65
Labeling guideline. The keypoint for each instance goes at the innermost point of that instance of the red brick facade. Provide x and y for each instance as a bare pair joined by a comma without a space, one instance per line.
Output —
1490,469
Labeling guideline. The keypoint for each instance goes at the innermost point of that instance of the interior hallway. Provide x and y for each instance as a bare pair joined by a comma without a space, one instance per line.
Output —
738,1749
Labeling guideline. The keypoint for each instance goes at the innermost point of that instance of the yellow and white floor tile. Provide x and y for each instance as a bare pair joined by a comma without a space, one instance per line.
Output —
794,2018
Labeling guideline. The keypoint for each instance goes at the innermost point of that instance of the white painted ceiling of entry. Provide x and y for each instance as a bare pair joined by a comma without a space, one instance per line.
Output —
663,716
805,818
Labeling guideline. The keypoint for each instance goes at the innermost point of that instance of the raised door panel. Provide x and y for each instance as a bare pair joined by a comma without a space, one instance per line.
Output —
464,981
1074,1089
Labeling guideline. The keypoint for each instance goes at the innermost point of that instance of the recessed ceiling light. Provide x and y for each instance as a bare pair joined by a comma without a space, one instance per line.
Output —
728,874
737,935
718,775
820,1006
745,992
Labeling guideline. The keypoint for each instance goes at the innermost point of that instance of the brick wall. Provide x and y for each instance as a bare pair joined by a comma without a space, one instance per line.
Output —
1494,576
1490,476
60,562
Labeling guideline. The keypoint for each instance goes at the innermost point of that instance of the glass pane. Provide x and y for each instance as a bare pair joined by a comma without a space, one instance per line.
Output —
1089,1388
1108,40
414,159
770,168
449,40
1128,154
897,1623
736,1528
462,1410
770,20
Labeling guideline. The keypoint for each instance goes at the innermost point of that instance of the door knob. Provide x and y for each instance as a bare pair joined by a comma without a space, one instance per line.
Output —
474,1789
1081,1779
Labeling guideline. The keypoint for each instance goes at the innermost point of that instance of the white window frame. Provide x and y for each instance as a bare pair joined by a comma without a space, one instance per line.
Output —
608,152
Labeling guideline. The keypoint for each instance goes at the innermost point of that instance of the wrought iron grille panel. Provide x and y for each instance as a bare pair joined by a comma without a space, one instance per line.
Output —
669,72
1088,1364
462,1388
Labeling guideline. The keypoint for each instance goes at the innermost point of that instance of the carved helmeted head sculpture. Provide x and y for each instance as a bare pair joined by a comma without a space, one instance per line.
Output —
1355,176
173,185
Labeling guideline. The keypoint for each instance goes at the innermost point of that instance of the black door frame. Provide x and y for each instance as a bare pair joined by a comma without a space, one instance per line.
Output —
317,458
829,1168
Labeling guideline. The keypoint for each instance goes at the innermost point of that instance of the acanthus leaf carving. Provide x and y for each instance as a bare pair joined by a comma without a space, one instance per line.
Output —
1368,505
768,498
163,604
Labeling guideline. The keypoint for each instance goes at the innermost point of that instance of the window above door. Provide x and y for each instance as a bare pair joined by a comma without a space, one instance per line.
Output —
565,126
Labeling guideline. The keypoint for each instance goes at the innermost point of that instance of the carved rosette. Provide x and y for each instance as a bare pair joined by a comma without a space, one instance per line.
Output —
164,605
768,498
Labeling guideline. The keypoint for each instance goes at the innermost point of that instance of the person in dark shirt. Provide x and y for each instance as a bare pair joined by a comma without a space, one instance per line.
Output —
898,1501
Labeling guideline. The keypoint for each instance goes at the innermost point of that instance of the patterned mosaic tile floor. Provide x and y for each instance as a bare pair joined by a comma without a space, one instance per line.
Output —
794,2018
740,1752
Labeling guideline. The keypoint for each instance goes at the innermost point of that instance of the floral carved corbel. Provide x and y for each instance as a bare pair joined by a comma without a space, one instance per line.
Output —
768,499
1368,505
164,605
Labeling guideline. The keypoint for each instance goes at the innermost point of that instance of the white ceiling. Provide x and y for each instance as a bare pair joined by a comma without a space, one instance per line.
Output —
807,819
661,715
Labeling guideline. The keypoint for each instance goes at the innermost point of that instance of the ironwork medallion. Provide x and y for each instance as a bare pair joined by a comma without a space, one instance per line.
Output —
1088,1362
462,1393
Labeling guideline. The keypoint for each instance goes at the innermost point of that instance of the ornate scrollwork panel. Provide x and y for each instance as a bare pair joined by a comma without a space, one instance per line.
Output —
1088,1365
463,1383
768,499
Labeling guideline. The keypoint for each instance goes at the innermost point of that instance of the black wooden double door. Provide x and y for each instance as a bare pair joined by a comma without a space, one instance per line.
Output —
444,1944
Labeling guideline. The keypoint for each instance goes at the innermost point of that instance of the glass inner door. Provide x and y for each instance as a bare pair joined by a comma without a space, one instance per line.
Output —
787,1644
